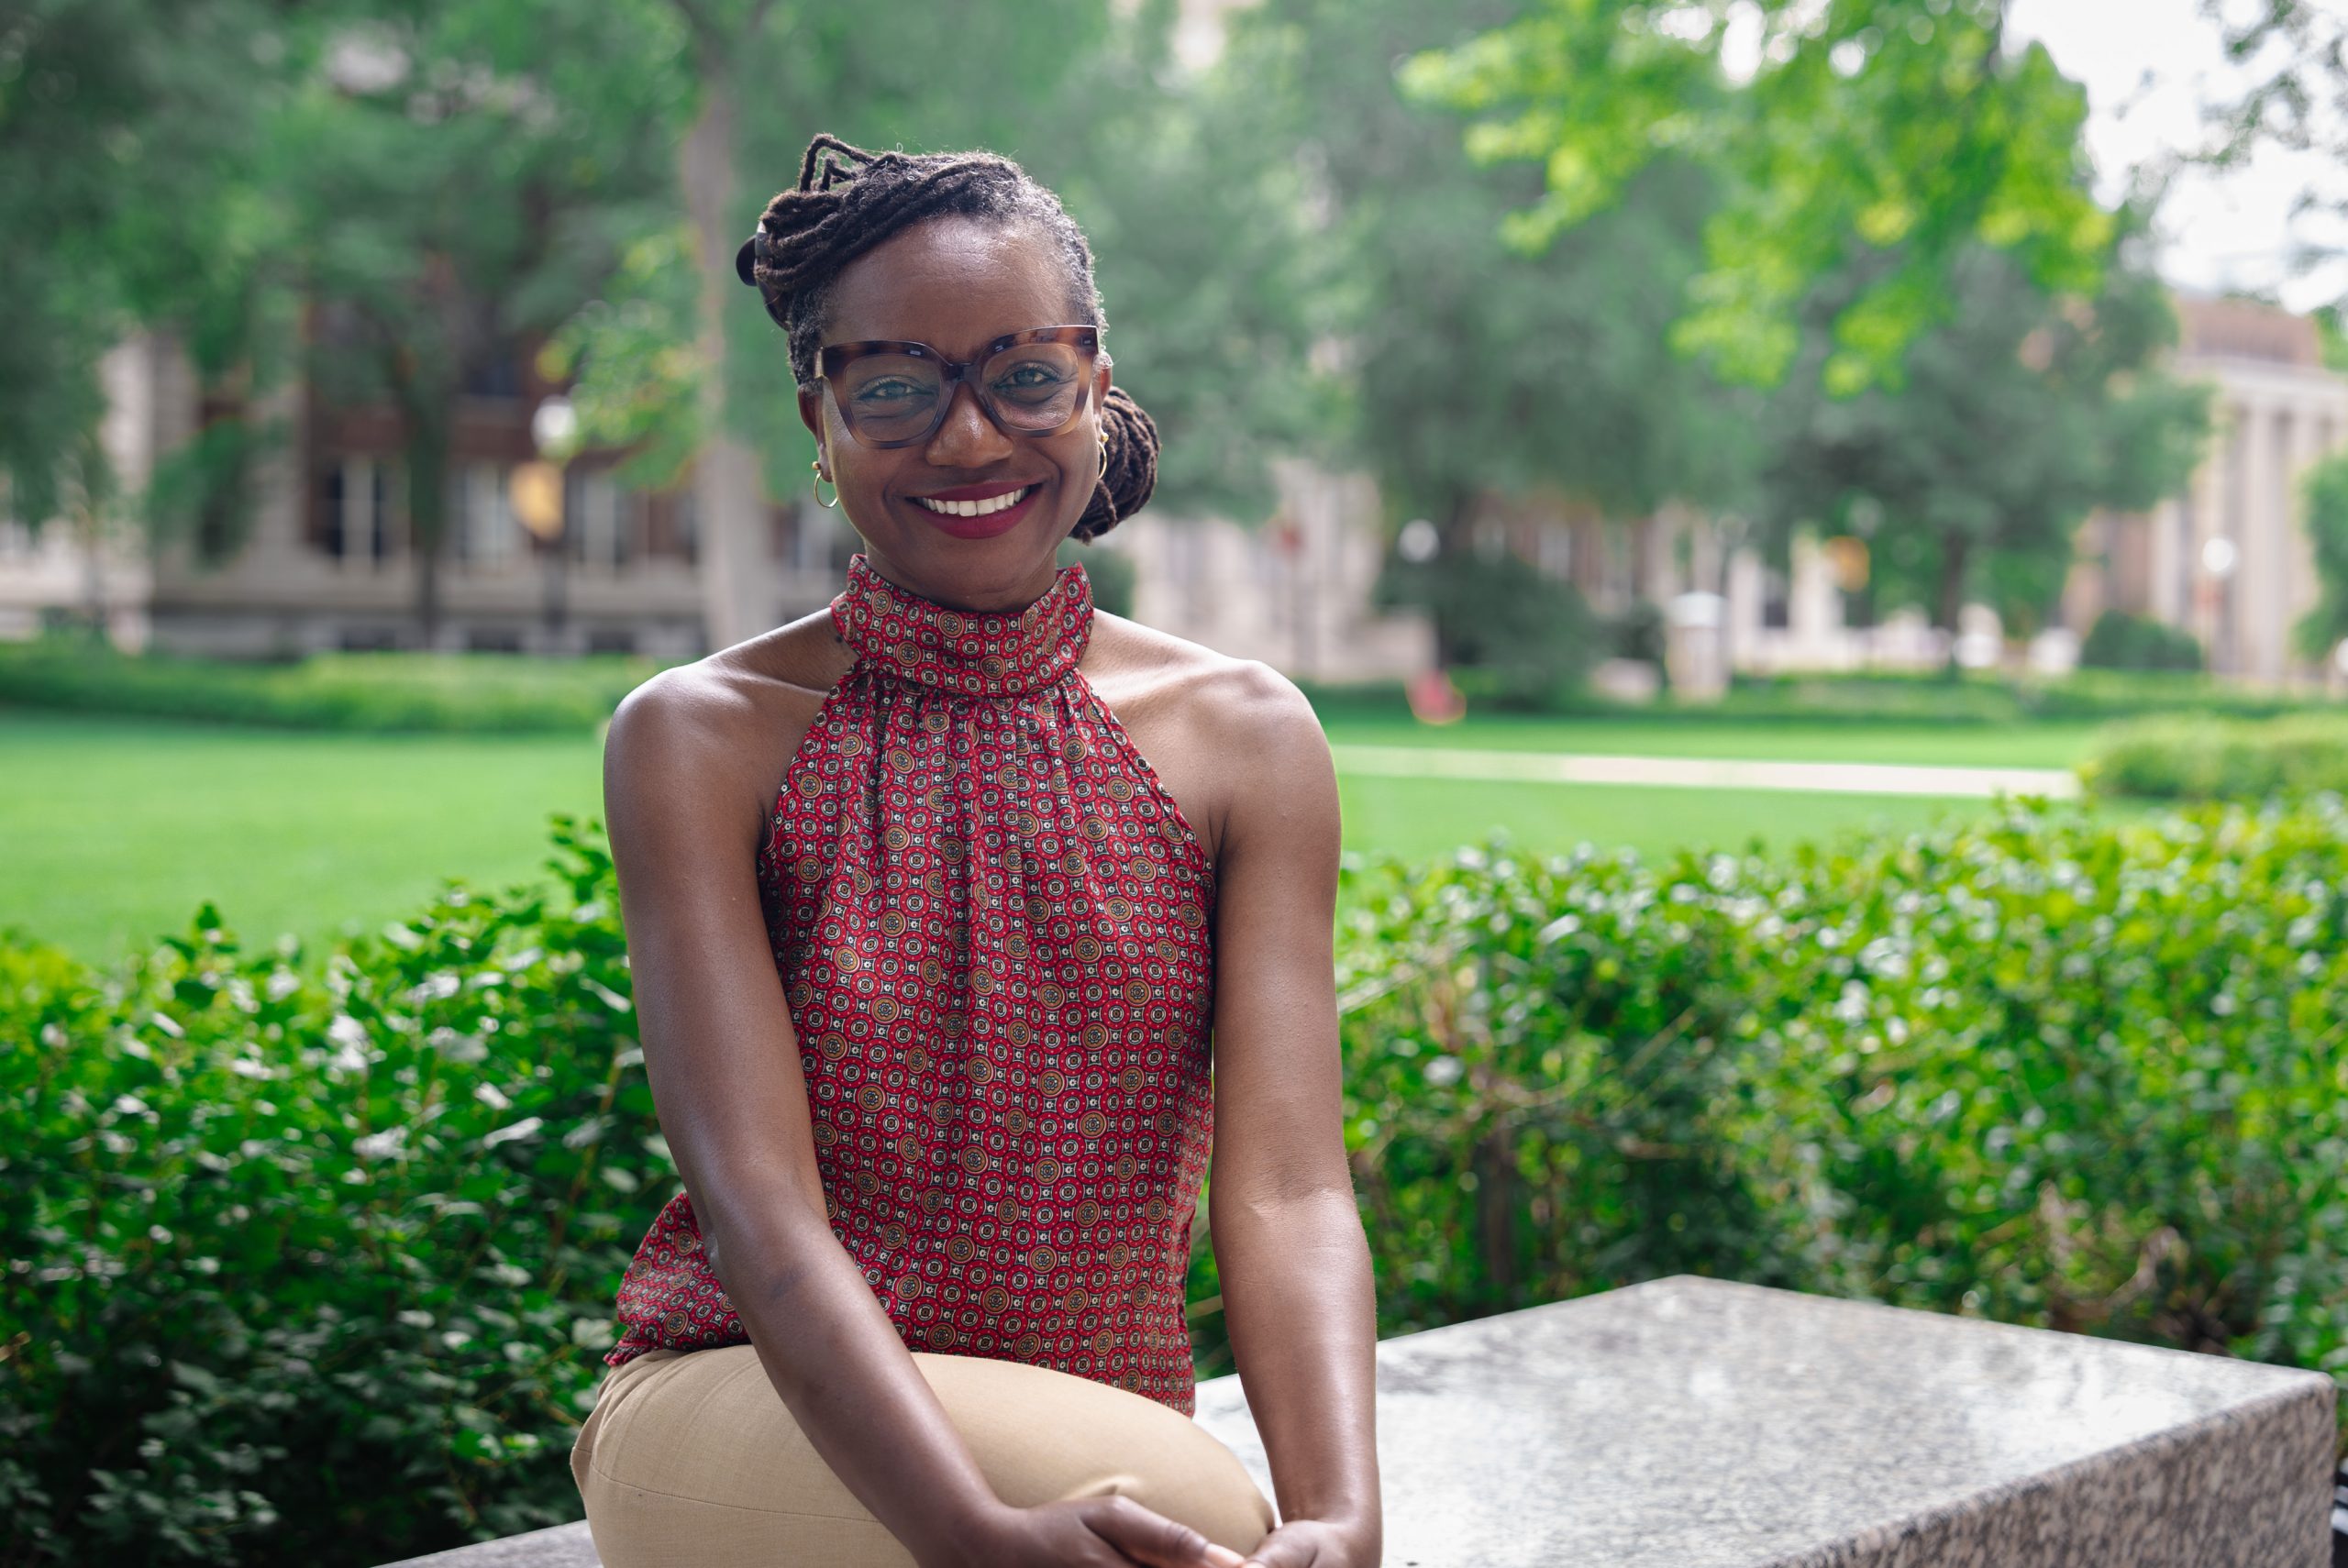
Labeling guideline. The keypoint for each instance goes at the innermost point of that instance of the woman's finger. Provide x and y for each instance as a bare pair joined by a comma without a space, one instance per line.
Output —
1149,1537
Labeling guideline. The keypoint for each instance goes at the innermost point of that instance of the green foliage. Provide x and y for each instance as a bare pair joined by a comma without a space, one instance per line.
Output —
2065,391
2120,641
1984,696
2209,759
1904,127
1517,635
2042,1070
378,691
2320,631
119,121
312,1257
312,1262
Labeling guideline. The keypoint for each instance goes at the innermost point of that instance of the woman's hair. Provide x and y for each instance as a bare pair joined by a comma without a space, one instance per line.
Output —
809,233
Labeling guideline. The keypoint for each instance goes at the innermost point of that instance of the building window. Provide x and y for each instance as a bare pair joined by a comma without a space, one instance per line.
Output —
668,525
353,520
600,516
481,525
492,639
610,640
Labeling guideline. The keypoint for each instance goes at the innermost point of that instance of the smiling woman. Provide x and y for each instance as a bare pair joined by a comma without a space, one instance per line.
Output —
965,920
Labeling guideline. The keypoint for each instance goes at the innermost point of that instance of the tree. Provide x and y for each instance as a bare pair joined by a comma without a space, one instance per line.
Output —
2322,629
120,125
1082,92
1470,368
1907,128
2012,420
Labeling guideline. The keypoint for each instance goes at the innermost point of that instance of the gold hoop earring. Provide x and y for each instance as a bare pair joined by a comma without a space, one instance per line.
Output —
817,486
1102,478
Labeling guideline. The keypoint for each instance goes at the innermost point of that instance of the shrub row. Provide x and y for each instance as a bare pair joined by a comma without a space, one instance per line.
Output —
372,692
1895,697
2200,757
1982,697
2121,641
311,1256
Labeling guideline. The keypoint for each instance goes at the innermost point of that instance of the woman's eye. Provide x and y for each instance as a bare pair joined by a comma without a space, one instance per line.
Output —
1026,377
892,389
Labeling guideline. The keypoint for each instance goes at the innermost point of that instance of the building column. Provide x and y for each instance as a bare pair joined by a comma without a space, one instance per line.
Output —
2210,519
2310,435
2166,597
2258,579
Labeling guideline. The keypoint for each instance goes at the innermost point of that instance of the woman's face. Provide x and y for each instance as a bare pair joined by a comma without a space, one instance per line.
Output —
958,284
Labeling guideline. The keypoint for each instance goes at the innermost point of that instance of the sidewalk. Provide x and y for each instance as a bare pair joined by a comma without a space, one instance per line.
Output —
1702,773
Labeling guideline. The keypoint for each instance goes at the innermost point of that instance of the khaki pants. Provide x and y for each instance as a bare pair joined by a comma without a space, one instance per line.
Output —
692,1460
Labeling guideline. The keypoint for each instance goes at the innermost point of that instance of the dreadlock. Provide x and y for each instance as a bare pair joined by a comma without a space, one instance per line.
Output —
849,199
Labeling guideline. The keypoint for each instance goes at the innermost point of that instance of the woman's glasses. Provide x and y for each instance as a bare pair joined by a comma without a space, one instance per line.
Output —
1030,383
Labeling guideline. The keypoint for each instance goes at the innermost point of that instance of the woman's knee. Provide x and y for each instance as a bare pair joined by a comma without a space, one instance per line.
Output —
1042,1435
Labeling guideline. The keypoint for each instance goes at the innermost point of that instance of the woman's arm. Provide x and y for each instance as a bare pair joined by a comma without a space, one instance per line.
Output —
685,817
1297,1292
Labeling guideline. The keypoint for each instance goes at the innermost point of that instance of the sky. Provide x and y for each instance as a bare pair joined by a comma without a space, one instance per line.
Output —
2150,67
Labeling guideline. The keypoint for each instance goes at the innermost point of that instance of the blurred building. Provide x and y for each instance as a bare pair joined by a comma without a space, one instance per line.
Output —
1295,592
329,563
2229,560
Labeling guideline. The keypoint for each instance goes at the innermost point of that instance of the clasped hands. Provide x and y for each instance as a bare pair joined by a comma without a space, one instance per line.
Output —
1118,1532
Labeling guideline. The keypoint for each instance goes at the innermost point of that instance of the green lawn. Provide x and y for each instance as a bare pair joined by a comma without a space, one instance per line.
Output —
1416,818
113,830
1964,746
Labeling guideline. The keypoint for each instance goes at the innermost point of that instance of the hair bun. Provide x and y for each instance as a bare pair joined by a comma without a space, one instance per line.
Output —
1130,473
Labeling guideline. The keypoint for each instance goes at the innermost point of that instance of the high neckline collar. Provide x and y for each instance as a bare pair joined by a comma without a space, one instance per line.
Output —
991,653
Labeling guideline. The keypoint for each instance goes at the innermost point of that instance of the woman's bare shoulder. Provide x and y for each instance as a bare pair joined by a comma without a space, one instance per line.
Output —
1213,695
735,716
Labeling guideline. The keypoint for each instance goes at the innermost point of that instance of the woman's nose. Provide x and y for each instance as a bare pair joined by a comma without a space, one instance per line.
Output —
966,437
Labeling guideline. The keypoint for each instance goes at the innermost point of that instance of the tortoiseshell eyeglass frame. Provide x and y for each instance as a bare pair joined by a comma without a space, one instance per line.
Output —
834,358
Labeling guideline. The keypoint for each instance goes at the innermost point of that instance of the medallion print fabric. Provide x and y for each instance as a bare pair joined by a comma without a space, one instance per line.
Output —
994,932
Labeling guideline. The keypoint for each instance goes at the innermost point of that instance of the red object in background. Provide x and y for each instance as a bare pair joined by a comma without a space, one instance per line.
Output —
1434,700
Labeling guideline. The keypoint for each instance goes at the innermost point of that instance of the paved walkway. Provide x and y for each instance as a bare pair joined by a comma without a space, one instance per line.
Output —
1701,772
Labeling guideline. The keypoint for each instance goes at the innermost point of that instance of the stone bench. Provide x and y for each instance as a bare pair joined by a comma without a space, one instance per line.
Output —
1692,1423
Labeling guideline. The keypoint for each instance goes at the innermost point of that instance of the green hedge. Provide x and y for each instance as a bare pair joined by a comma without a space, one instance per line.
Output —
1982,697
2121,641
375,691
2204,758
1900,697
311,1256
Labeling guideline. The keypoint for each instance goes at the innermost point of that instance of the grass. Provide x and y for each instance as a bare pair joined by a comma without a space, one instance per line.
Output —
2046,744
1418,818
113,830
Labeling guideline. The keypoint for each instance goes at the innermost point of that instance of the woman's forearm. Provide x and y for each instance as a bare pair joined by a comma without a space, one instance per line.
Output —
1300,1308
837,1364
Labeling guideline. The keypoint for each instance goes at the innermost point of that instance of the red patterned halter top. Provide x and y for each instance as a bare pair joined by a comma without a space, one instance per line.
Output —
994,932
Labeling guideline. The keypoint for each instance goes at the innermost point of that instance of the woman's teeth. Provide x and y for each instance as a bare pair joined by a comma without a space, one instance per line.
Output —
974,508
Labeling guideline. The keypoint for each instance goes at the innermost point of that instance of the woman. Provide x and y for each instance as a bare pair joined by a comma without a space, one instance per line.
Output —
927,1021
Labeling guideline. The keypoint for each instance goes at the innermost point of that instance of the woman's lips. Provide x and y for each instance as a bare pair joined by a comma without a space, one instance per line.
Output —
986,525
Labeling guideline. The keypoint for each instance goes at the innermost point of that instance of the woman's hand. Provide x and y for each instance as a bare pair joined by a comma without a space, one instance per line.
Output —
1094,1532
1314,1543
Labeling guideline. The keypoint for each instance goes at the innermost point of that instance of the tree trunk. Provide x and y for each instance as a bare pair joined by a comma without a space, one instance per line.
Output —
729,508
425,413
1952,593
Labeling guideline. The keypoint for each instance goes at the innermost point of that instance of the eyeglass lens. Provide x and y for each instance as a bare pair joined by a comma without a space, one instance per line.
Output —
1034,388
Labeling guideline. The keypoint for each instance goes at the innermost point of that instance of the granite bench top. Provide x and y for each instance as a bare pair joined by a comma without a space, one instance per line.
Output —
1694,1423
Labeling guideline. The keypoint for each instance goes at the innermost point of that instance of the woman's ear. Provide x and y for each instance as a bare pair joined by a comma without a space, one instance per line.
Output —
811,413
